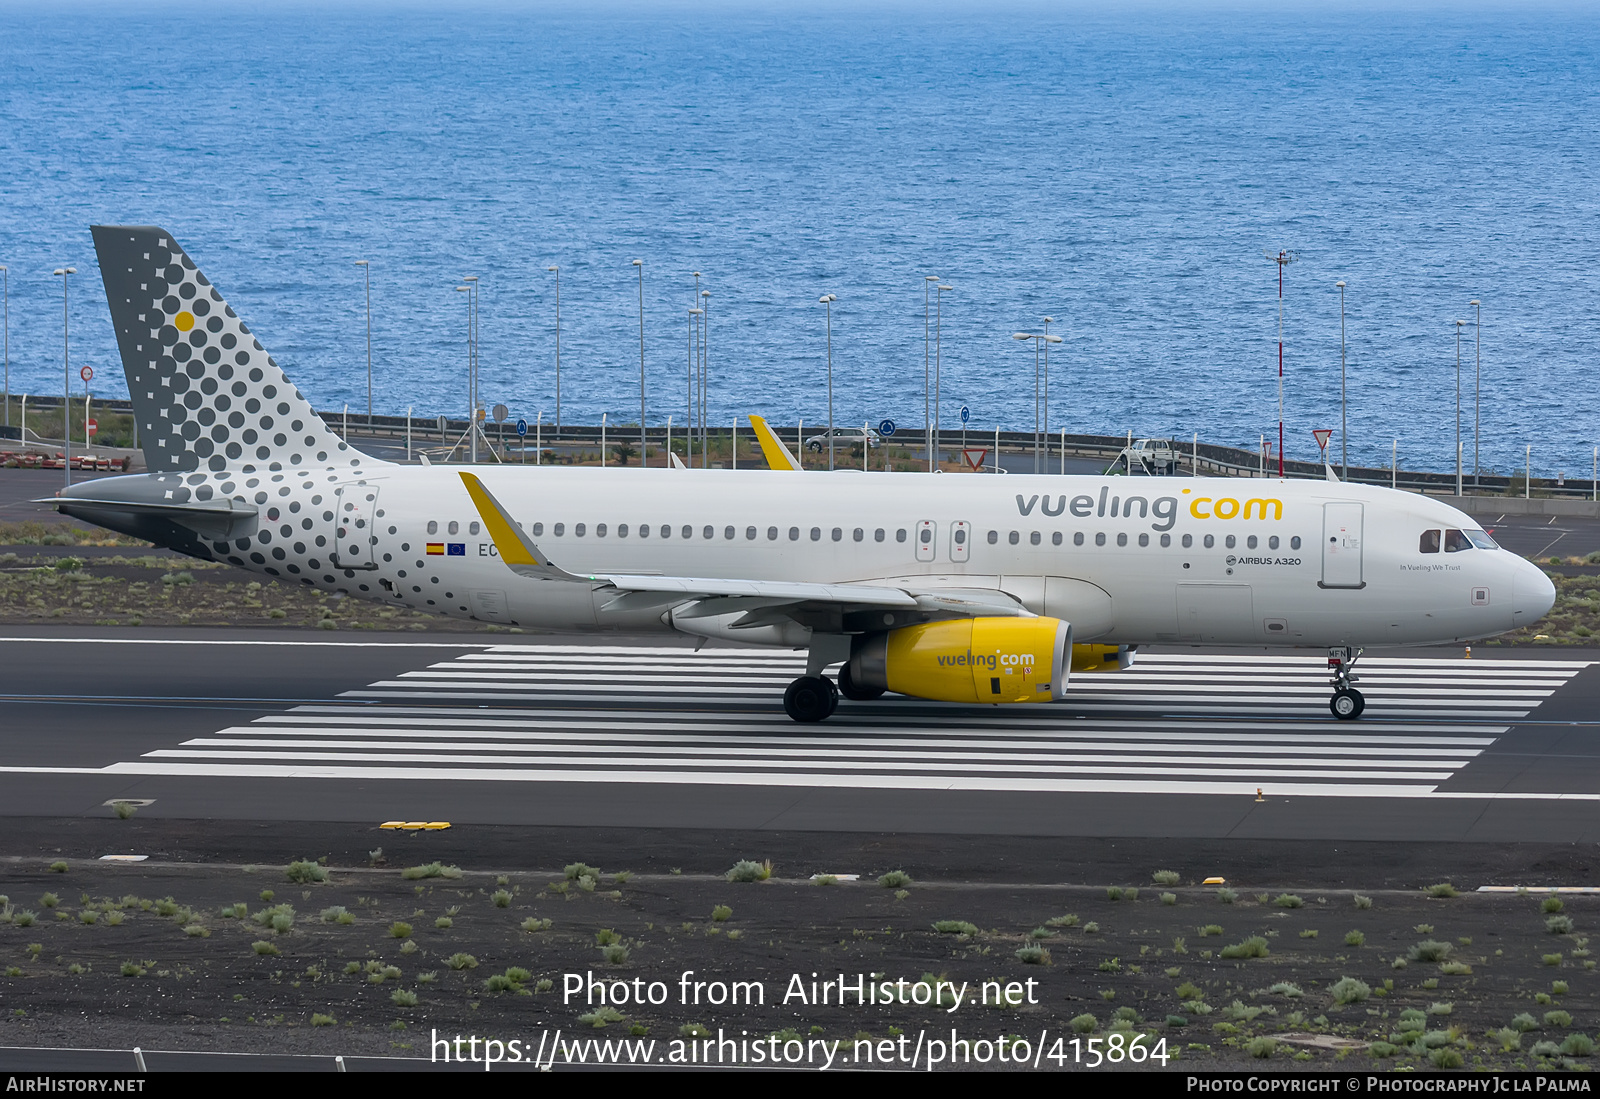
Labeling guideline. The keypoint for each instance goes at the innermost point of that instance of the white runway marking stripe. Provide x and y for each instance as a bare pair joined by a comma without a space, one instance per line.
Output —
1194,724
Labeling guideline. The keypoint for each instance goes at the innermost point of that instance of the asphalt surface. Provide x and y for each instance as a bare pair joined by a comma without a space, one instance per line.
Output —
633,733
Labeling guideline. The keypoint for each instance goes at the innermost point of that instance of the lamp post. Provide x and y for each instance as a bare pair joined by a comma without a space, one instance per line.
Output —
5,273
1044,430
1458,406
472,396
705,377
366,269
827,301
938,327
694,358
555,270
1038,338
1282,259
1477,393
66,374
927,408
1344,422
643,459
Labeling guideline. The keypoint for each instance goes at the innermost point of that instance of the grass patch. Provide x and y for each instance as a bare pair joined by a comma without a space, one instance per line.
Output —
895,879
956,927
1210,929
1354,938
721,913
461,961
1287,900
324,1020
1558,925
1442,889
262,946
1165,877
1350,990
1227,896
534,924
1429,950
602,1016
615,954
402,998
337,914
501,898
1069,920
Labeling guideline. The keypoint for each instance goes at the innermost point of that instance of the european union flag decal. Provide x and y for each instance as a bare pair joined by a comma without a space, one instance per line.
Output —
456,549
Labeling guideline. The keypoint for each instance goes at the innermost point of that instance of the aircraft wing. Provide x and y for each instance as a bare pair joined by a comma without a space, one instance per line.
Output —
525,558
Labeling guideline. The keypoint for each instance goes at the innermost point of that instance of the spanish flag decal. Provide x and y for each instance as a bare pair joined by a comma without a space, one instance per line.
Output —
435,549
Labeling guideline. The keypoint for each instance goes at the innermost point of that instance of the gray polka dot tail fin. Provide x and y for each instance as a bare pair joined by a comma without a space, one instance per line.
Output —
207,395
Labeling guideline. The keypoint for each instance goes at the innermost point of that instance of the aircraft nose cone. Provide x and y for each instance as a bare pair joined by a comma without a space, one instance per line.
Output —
1532,595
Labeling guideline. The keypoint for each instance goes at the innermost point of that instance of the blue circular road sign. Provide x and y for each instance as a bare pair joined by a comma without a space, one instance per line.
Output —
886,428
966,414
522,426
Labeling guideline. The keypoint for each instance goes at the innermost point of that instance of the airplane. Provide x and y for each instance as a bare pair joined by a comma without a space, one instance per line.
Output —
963,589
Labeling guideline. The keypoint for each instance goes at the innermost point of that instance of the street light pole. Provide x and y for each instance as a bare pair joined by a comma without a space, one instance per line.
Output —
927,410
1458,406
694,330
1037,338
5,272
938,329
705,377
366,269
1282,259
828,300
1477,392
643,460
472,404
1344,421
66,374
1044,430
557,272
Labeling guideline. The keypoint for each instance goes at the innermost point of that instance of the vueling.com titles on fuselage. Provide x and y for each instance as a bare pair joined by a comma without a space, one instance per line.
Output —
1163,508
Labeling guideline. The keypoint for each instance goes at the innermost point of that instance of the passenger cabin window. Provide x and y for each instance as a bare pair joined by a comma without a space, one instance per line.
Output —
1055,539
772,534
599,530
433,526
1210,540
1294,543
900,535
1230,541
749,534
577,530
1272,543
727,533
877,535
1077,537
1455,541
455,527
709,533
558,530
994,537
1033,538
1188,540
1014,538
1100,538
472,528
622,530
538,529
1429,542
794,534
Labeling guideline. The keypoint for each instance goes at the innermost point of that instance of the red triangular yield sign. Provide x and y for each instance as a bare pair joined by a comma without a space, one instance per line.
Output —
975,458
1323,434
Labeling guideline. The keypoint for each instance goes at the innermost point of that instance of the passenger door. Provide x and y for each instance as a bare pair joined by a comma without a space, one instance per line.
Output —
927,531
1341,546
355,511
960,540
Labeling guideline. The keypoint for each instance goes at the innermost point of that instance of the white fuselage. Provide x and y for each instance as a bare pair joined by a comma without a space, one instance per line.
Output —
1127,560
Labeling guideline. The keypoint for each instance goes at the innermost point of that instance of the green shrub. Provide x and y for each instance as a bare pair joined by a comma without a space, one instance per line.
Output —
1551,959
1253,947
1544,1049
1510,1040
1455,969
1210,929
1069,920
1558,925
1188,990
1551,905
1363,903
1355,938
303,871
1033,955
1429,950
49,900
501,898
1287,900
1446,1056
721,913
444,923
1169,898
499,983
58,867
400,930
1227,896
1083,1024
262,946
578,870
1524,1022
1165,877
324,1020
533,924
336,914
1442,889
1577,1045
746,870
895,879
1557,1019
1383,1049
1262,1046
615,954
1350,990
1441,1008
430,870
602,1016
956,927
402,998
461,961
132,969
1285,988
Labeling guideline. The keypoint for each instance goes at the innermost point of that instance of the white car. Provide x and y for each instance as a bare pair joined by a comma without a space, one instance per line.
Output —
1150,455
843,439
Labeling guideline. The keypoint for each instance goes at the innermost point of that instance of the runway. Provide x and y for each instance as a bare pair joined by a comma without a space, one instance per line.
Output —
235,725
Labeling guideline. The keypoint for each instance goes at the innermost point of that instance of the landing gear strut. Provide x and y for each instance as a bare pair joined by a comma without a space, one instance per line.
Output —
1347,702
811,698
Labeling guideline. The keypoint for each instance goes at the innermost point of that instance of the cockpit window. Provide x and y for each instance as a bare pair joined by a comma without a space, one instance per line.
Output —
1430,542
1455,541
1482,540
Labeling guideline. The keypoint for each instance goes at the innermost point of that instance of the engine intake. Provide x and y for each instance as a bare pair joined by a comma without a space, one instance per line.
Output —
968,660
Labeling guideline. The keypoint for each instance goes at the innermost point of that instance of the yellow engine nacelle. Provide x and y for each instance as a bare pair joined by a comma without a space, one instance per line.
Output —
968,660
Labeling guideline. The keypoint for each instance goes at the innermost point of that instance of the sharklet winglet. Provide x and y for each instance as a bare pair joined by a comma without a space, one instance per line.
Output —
520,555
772,448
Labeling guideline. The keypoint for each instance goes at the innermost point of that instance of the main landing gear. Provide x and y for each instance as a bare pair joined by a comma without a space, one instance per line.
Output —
811,698
1347,702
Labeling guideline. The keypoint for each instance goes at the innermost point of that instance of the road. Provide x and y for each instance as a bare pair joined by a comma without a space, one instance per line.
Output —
644,733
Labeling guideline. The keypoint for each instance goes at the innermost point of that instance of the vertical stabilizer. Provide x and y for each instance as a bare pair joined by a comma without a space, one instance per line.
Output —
205,392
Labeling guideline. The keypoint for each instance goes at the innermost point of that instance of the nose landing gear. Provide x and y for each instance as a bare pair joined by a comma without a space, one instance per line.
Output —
811,698
1347,702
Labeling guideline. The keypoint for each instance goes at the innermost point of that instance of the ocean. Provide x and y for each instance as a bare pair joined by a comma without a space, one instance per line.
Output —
1123,169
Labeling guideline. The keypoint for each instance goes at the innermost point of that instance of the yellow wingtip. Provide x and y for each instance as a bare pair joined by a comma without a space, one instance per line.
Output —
508,540
772,448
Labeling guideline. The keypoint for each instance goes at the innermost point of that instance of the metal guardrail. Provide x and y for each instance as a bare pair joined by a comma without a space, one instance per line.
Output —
1212,459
